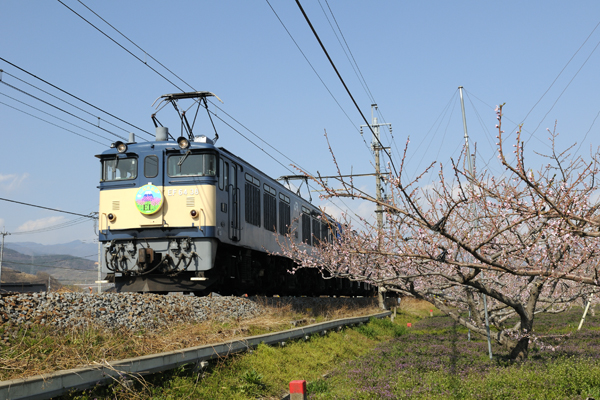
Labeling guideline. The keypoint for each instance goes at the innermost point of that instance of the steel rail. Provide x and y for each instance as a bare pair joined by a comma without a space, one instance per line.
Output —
46,386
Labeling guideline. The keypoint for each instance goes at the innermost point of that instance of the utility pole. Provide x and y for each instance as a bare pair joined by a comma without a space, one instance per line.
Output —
2,255
472,173
376,147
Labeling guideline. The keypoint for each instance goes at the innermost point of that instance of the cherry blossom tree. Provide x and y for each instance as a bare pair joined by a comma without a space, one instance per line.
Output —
527,240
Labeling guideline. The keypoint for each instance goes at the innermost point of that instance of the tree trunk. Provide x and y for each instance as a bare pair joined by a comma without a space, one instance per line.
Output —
380,292
521,350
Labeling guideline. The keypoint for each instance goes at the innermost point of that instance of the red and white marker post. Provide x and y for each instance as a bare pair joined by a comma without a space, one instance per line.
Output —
298,390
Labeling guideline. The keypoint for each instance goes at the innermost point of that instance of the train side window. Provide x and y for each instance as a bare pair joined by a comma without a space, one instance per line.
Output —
284,216
306,229
252,179
252,204
270,204
316,231
150,166
325,231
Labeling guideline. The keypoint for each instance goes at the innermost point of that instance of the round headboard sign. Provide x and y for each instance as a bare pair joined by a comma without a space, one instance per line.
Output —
148,199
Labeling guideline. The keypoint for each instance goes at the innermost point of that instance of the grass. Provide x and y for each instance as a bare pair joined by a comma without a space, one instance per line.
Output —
435,361
262,373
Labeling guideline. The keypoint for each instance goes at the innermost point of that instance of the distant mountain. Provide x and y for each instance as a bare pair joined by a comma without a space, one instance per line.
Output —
66,268
76,248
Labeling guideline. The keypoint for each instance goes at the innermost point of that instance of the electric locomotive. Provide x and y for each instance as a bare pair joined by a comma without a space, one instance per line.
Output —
184,215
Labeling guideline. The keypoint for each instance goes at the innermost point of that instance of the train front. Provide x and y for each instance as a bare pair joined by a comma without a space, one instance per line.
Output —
158,214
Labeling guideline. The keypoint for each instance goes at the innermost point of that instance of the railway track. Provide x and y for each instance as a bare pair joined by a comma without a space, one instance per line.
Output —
49,385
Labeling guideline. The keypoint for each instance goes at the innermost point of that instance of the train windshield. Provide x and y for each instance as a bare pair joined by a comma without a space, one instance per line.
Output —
117,169
192,165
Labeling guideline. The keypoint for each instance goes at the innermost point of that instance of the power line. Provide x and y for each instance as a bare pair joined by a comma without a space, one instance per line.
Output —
132,42
64,101
73,96
315,71
557,76
354,65
119,44
48,122
54,116
51,209
564,90
60,109
358,72
65,224
344,83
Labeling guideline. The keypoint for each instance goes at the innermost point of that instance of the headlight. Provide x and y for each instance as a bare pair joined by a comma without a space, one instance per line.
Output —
112,217
183,142
121,147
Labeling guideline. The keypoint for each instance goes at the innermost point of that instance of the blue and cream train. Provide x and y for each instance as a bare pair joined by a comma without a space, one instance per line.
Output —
188,216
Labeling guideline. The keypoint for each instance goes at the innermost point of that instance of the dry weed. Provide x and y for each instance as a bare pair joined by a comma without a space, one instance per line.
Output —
411,305
36,350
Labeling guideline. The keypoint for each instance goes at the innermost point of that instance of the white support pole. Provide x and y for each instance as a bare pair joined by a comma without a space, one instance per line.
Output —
587,307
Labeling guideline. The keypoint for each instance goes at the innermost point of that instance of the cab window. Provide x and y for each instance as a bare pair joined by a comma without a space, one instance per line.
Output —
192,165
150,166
118,169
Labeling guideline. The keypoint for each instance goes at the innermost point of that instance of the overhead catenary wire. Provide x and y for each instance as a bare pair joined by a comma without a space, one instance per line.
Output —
90,215
132,42
119,44
54,116
344,84
62,110
48,122
66,224
353,65
75,97
64,101
563,91
557,76
360,75
314,70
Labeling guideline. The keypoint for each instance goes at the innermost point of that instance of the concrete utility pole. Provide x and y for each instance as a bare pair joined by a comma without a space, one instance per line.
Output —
2,255
376,147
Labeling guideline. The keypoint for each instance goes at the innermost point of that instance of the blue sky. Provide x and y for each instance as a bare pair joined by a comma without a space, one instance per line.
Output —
412,55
